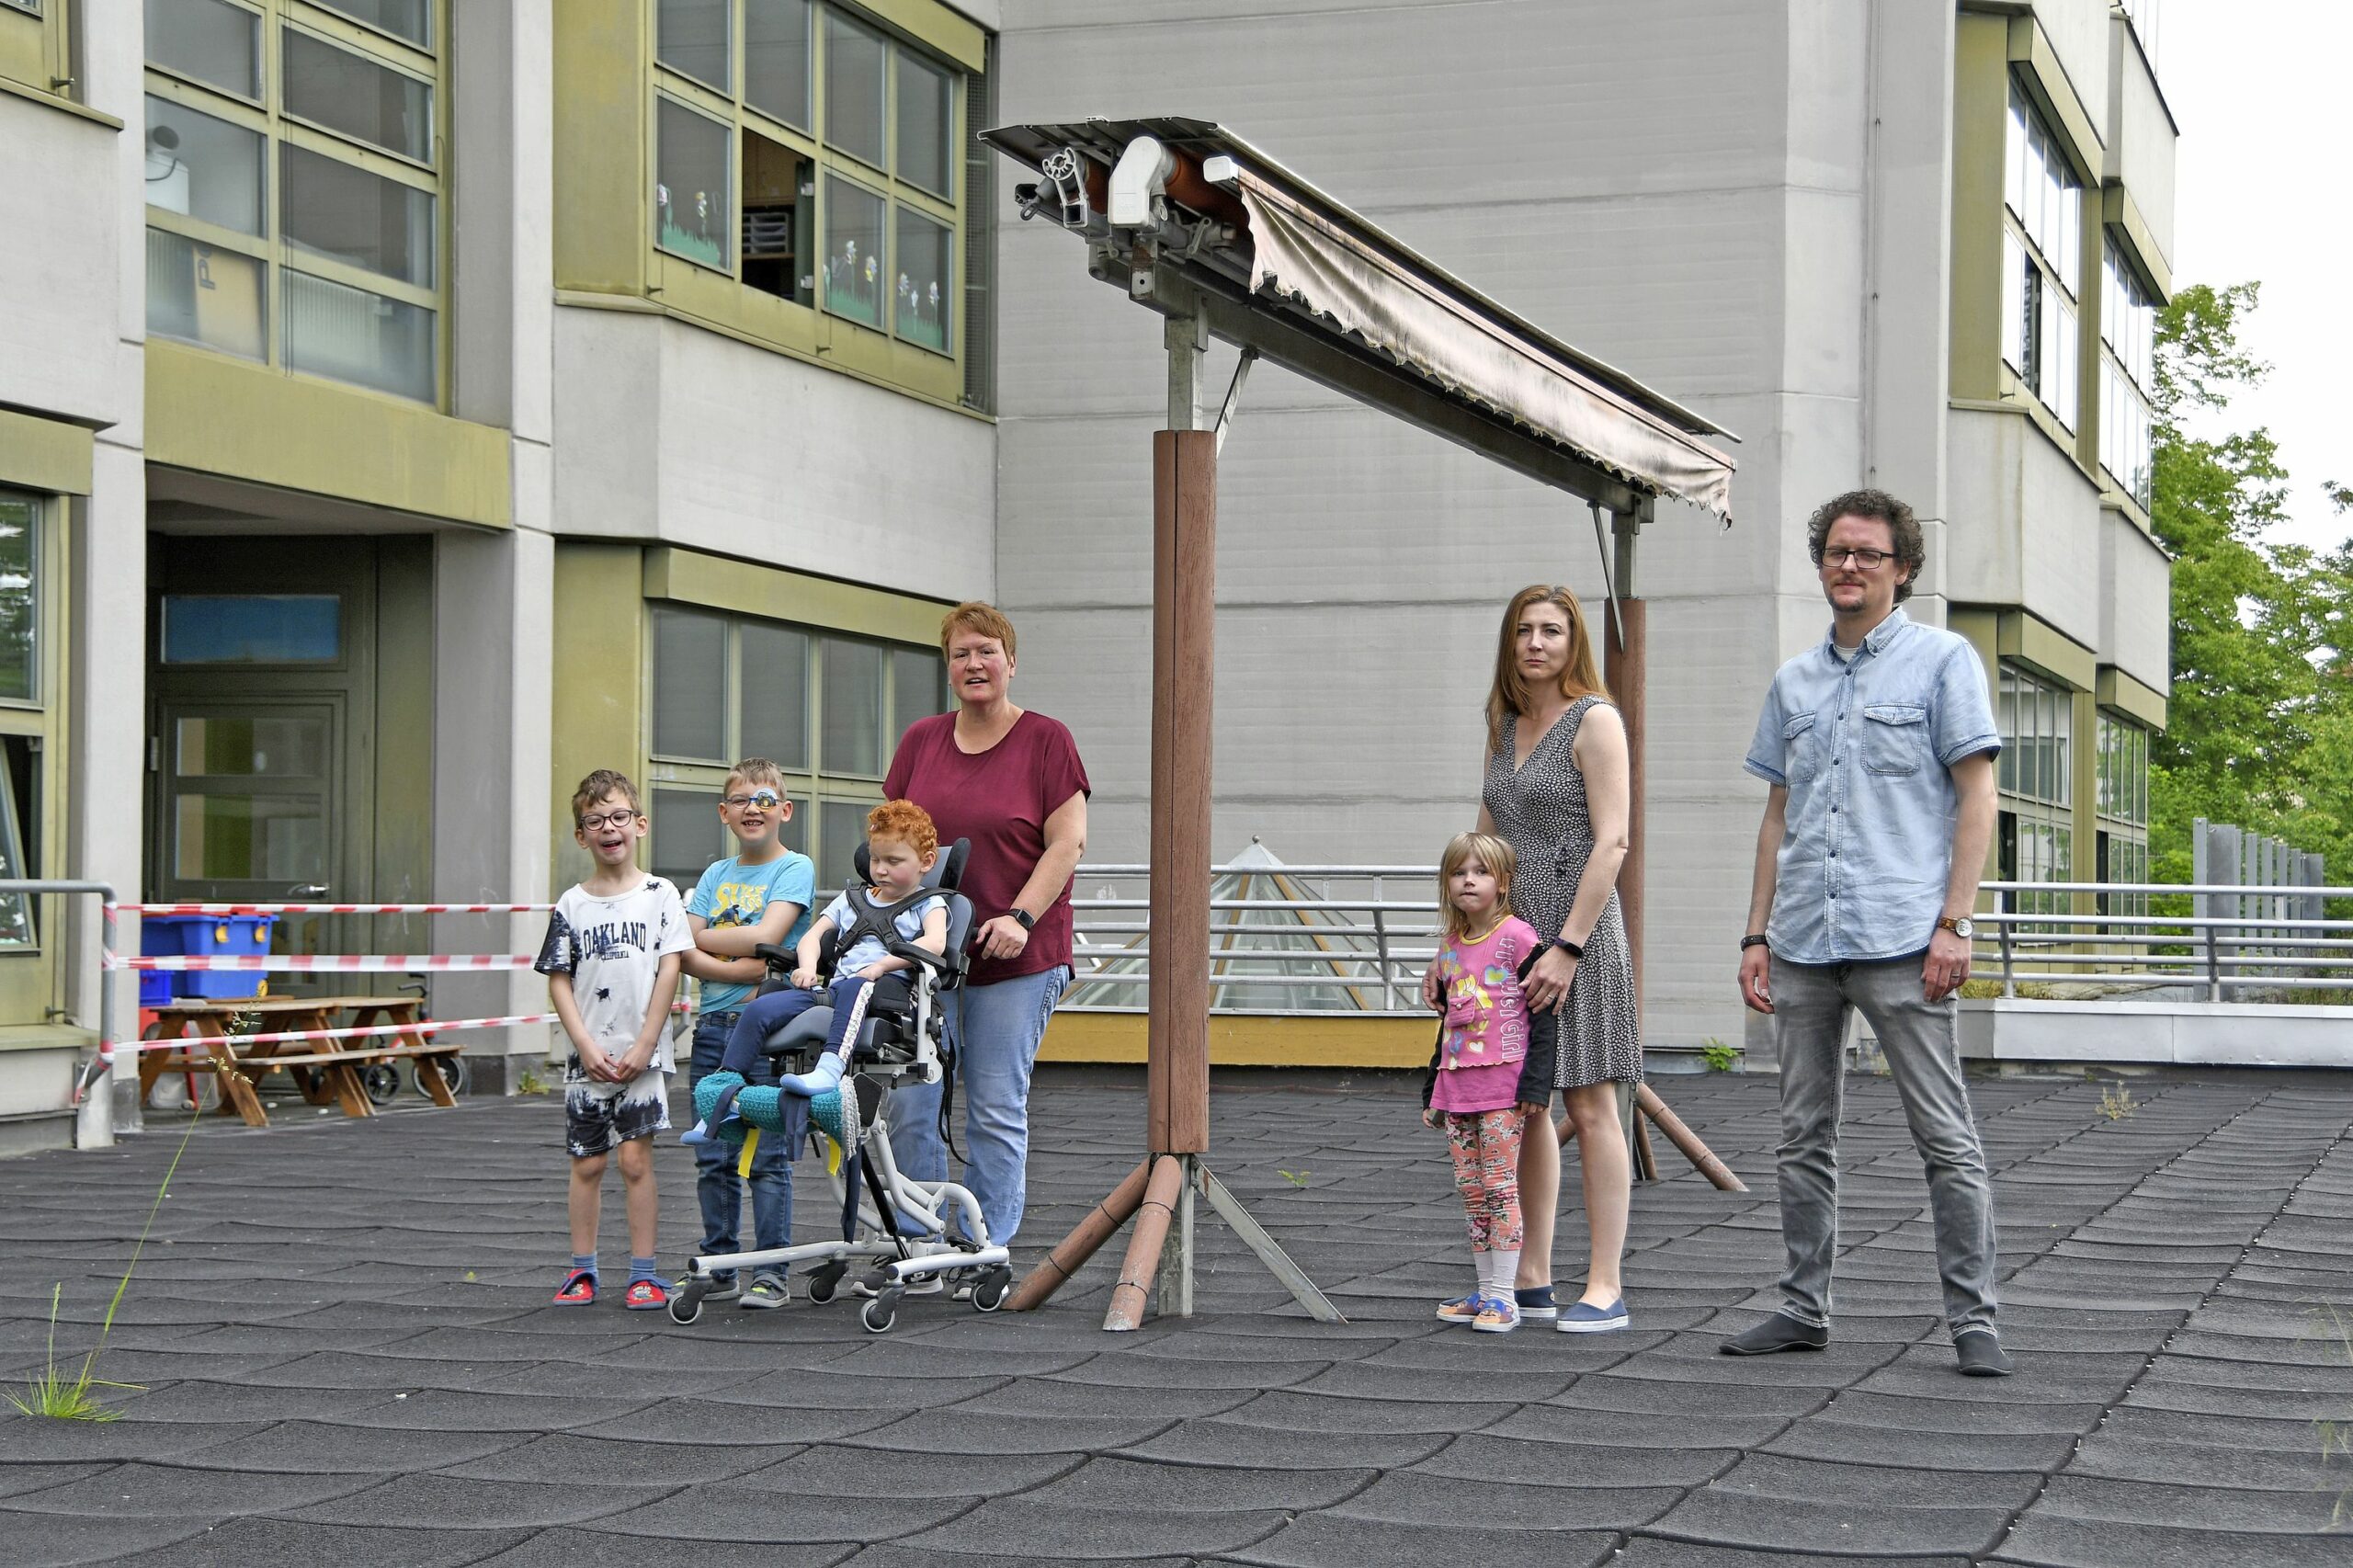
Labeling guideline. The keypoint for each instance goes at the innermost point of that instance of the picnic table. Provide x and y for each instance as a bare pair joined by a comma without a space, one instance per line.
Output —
325,1071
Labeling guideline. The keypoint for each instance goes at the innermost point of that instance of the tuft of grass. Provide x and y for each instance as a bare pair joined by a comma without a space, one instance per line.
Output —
1297,1178
52,1393
1720,1057
530,1082
2118,1103
2336,1437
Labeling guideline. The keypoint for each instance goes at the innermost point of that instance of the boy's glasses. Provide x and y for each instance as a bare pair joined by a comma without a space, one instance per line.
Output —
767,799
616,819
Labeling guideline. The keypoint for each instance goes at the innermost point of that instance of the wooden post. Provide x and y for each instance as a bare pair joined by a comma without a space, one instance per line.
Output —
1184,572
1625,672
1144,1242
1072,1253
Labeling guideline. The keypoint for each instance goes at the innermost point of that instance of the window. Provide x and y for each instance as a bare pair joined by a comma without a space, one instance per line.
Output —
20,599
296,216
825,708
2037,722
37,43
24,700
2128,336
253,628
2122,798
2042,261
2144,16
814,156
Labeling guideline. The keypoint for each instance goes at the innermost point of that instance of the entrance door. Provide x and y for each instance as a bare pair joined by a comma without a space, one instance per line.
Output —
260,739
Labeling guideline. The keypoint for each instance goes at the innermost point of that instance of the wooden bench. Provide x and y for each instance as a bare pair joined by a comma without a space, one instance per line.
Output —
326,1072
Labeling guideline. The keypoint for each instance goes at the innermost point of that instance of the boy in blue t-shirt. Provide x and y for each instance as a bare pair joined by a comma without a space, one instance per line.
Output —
761,894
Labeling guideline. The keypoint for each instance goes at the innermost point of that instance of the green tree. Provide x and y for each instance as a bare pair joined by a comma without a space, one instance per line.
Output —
2260,725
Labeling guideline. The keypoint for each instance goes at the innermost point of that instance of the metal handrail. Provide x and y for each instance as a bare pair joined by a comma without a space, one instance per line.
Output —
1371,949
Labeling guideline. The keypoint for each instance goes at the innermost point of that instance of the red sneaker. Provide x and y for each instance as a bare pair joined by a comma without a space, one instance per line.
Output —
646,1295
579,1290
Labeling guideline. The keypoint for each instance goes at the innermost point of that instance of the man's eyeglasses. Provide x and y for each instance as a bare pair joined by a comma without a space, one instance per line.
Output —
1867,559
616,819
767,799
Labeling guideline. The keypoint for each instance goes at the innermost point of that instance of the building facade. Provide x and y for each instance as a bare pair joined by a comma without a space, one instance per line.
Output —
409,406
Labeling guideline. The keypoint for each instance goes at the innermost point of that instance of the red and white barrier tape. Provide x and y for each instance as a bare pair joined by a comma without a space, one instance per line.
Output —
294,963
288,1037
225,909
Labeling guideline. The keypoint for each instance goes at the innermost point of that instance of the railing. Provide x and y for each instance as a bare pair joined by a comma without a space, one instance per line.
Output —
2243,943
1344,939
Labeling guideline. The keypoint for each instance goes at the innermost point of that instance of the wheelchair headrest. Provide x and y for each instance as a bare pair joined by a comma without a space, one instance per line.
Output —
946,872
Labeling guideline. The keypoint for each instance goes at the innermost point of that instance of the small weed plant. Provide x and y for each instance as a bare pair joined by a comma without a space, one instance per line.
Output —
62,1396
1297,1178
2118,1103
1720,1057
2336,1437
530,1082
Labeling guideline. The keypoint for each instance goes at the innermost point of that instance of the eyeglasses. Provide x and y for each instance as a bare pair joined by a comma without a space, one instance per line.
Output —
615,819
1868,560
767,799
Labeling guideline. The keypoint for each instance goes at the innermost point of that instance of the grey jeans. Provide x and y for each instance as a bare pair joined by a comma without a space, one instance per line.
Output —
1810,1002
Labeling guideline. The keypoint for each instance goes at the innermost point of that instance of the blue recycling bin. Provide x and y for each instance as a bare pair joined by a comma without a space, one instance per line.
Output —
165,936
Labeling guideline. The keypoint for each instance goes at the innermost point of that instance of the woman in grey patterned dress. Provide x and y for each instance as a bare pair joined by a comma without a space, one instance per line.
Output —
1556,790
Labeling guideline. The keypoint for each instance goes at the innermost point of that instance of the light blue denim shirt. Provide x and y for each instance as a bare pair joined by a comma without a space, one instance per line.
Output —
1864,746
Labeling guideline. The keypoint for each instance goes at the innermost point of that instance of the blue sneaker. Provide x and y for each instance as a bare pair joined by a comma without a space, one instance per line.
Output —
1536,1303
1587,1318
1498,1315
1462,1309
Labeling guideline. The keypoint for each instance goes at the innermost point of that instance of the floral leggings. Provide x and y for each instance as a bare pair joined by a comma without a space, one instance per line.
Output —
1486,1145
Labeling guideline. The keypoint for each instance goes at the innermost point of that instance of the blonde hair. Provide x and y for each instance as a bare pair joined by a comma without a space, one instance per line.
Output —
1489,851
1581,676
755,770
973,615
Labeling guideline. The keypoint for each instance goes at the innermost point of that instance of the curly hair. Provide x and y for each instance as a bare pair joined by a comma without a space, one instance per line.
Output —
905,823
597,786
1873,505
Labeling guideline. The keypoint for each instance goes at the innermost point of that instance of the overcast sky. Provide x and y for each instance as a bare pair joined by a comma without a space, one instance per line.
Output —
2259,90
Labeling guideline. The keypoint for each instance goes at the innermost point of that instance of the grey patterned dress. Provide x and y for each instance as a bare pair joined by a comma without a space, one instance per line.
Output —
1539,810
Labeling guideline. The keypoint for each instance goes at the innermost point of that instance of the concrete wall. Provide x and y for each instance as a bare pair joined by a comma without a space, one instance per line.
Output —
2141,149
2078,31
667,432
2135,590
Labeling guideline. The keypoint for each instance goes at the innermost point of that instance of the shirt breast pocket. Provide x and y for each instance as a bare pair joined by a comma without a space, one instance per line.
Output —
1896,738
1800,740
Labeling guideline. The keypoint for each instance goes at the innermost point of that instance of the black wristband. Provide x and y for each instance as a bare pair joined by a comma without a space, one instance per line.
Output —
1575,950
1754,939
1029,921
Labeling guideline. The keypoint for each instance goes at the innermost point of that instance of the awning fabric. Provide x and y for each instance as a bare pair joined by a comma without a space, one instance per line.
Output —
1325,271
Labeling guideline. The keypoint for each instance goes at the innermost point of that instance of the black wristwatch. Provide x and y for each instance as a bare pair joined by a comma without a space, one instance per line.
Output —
1754,939
1575,950
1029,921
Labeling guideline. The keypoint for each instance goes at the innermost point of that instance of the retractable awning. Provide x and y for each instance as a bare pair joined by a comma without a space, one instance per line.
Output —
1190,217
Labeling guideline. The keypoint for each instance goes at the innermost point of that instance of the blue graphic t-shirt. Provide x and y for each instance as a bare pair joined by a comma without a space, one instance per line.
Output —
731,893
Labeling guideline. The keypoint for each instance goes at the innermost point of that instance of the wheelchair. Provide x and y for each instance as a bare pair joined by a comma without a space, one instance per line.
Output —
894,1229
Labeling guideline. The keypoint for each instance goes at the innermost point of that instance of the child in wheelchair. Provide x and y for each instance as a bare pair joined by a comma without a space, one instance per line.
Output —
899,912
901,937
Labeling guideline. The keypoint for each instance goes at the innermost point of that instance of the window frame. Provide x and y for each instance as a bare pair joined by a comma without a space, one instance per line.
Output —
2043,196
36,46
279,129
35,719
817,788
811,327
2127,373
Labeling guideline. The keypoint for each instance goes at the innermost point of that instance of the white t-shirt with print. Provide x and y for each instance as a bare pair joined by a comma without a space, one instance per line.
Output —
612,948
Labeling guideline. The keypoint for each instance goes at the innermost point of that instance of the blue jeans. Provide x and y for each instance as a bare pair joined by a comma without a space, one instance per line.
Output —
719,1189
996,1029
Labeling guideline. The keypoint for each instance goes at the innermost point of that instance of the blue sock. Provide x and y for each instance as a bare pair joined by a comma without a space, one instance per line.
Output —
825,1075
640,1268
584,1263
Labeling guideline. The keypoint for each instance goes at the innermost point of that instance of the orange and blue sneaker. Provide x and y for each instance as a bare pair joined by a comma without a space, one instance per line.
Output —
1462,1309
1498,1314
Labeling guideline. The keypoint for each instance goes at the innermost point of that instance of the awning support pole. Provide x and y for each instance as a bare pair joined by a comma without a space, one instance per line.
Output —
1176,1051
1609,583
1234,395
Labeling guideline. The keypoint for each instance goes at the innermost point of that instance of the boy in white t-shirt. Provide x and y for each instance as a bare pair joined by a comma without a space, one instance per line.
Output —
611,958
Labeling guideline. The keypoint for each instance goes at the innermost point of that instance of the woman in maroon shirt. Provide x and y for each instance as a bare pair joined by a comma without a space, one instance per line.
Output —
1011,783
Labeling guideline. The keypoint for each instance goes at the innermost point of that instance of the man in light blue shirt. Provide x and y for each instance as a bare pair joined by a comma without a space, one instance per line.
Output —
1878,746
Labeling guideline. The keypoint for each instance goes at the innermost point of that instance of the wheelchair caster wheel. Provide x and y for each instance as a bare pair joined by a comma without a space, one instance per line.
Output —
882,1312
823,1284
991,1288
686,1305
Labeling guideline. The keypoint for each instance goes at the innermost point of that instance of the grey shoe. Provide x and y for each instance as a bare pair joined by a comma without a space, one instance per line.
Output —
767,1291
1777,1333
1981,1354
723,1287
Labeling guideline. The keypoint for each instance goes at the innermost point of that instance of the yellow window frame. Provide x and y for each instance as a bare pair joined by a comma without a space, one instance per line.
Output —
279,130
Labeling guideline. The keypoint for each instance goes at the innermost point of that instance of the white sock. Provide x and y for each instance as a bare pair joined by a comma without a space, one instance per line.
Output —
1486,1261
824,1075
1507,1271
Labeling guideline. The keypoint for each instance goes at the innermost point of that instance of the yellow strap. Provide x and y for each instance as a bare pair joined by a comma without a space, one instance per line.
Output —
751,1146
833,1155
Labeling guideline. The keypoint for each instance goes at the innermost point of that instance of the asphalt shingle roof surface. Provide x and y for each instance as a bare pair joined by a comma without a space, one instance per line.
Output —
346,1354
